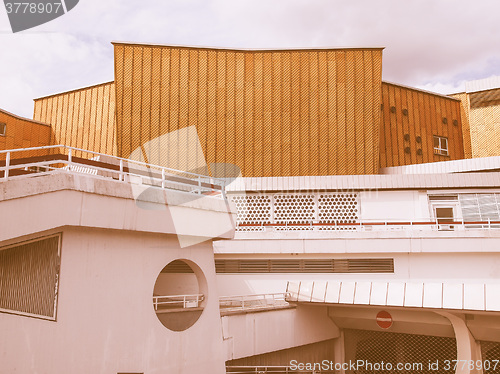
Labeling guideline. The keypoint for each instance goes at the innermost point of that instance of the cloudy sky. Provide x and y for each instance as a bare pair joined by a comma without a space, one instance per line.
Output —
436,45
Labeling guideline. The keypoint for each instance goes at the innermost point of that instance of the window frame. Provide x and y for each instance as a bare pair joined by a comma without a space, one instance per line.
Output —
3,129
440,150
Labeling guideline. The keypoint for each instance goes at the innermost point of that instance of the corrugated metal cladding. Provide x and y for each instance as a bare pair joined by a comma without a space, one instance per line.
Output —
22,133
82,118
272,113
483,111
29,277
410,118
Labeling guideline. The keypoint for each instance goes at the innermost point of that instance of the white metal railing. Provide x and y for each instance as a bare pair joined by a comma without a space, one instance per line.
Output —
272,369
371,225
177,301
38,161
243,302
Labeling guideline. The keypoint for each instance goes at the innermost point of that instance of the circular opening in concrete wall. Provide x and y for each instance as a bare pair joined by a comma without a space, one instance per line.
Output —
180,295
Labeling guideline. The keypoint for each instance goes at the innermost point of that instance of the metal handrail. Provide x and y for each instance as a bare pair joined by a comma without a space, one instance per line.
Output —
179,301
10,151
240,302
165,176
362,224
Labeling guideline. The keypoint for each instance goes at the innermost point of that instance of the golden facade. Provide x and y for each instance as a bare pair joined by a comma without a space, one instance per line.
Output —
482,110
18,132
83,118
272,113
410,120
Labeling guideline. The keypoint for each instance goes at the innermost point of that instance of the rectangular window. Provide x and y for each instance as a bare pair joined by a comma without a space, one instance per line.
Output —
440,145
3,129
29,277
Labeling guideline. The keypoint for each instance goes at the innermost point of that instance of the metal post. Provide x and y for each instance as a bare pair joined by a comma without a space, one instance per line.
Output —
199,185
162,178
70,158
120,177
223,186
7,164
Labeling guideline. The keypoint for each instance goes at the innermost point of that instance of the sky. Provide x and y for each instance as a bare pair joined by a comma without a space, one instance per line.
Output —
435,45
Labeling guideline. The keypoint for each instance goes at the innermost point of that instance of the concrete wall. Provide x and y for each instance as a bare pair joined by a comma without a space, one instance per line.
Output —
250,334
176,284
105,317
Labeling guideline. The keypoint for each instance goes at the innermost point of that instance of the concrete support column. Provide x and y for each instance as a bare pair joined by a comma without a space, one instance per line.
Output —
467,348
339,351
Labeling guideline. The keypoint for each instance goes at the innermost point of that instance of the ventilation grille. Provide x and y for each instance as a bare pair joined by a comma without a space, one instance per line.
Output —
378,265
177,266
416,350
29,275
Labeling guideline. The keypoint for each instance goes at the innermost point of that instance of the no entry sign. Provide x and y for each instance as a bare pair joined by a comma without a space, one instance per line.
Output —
384,319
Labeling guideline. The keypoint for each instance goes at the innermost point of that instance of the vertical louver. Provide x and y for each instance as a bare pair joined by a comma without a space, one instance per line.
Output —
29,275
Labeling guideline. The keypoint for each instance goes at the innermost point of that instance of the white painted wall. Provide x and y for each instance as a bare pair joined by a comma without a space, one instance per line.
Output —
105,317
393,205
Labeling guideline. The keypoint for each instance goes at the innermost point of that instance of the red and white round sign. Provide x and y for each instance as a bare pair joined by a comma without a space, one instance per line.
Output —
384,319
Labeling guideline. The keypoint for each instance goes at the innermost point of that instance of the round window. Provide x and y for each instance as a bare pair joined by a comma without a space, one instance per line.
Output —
180,295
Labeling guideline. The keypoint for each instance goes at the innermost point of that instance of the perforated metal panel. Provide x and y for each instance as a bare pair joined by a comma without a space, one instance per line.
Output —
253,209
297,208
395,348
294,208
339,208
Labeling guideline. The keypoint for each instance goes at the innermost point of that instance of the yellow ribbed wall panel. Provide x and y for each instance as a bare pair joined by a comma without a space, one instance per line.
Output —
82,118
410,119
272,113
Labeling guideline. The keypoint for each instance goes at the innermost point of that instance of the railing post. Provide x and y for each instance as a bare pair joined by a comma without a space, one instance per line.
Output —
70,158
223,187
199,185
162,178
120,177
298,290
7,164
